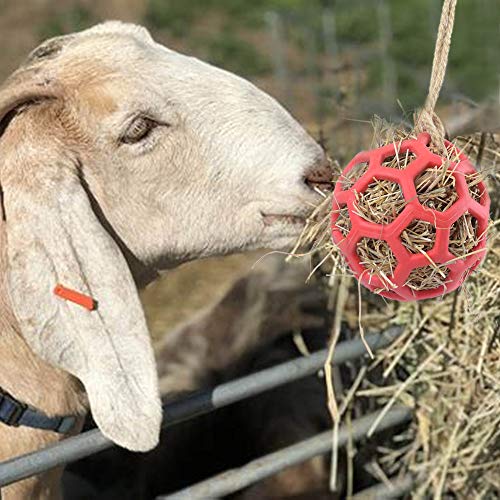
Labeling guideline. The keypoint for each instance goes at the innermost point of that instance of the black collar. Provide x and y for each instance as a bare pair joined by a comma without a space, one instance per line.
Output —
15,414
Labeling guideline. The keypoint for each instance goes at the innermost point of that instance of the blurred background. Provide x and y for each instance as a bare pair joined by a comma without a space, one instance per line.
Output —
333,64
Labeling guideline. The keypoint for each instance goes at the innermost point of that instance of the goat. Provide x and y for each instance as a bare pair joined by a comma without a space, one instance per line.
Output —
119,158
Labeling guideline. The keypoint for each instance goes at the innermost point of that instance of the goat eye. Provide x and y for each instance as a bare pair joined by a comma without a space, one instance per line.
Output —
139,129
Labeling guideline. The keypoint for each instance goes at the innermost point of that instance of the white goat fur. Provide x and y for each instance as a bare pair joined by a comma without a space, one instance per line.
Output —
220,172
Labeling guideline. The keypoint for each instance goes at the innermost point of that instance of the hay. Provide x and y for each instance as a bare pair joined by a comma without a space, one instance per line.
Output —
485,148
343,222
445,364
419,236
317,233
381,202
472,181
376,256
348,180
435,188
453,445
463,235
399,162
428,277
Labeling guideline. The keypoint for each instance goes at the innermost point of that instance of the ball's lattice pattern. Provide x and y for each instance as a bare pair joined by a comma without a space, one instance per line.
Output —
406,233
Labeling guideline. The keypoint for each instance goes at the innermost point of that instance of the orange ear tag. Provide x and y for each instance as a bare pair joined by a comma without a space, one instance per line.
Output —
76,297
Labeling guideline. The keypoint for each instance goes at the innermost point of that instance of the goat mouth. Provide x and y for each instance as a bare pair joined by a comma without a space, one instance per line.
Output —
295,220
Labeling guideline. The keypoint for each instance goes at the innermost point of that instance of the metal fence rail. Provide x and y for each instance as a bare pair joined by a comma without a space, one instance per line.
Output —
263,467
396,488
93,441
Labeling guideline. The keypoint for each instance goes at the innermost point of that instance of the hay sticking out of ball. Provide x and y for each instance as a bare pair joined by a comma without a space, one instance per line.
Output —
317,232
316,235
348,180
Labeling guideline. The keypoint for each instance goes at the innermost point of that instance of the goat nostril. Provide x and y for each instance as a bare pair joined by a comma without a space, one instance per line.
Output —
320,176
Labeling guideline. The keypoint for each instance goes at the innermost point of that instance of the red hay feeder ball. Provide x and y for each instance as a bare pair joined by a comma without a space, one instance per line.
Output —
394,264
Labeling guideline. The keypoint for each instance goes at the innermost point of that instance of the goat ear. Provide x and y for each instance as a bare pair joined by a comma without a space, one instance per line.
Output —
53,236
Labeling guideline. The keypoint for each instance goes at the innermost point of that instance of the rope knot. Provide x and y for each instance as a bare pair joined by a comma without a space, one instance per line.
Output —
428,121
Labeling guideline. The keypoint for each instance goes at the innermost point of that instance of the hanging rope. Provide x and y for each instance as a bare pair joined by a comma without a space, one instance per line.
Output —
427,120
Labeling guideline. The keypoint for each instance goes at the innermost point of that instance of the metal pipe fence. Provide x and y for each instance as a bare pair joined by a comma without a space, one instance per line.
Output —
93,441
395,489
263,467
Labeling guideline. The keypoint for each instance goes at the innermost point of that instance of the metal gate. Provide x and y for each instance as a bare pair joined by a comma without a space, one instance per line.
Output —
93,441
